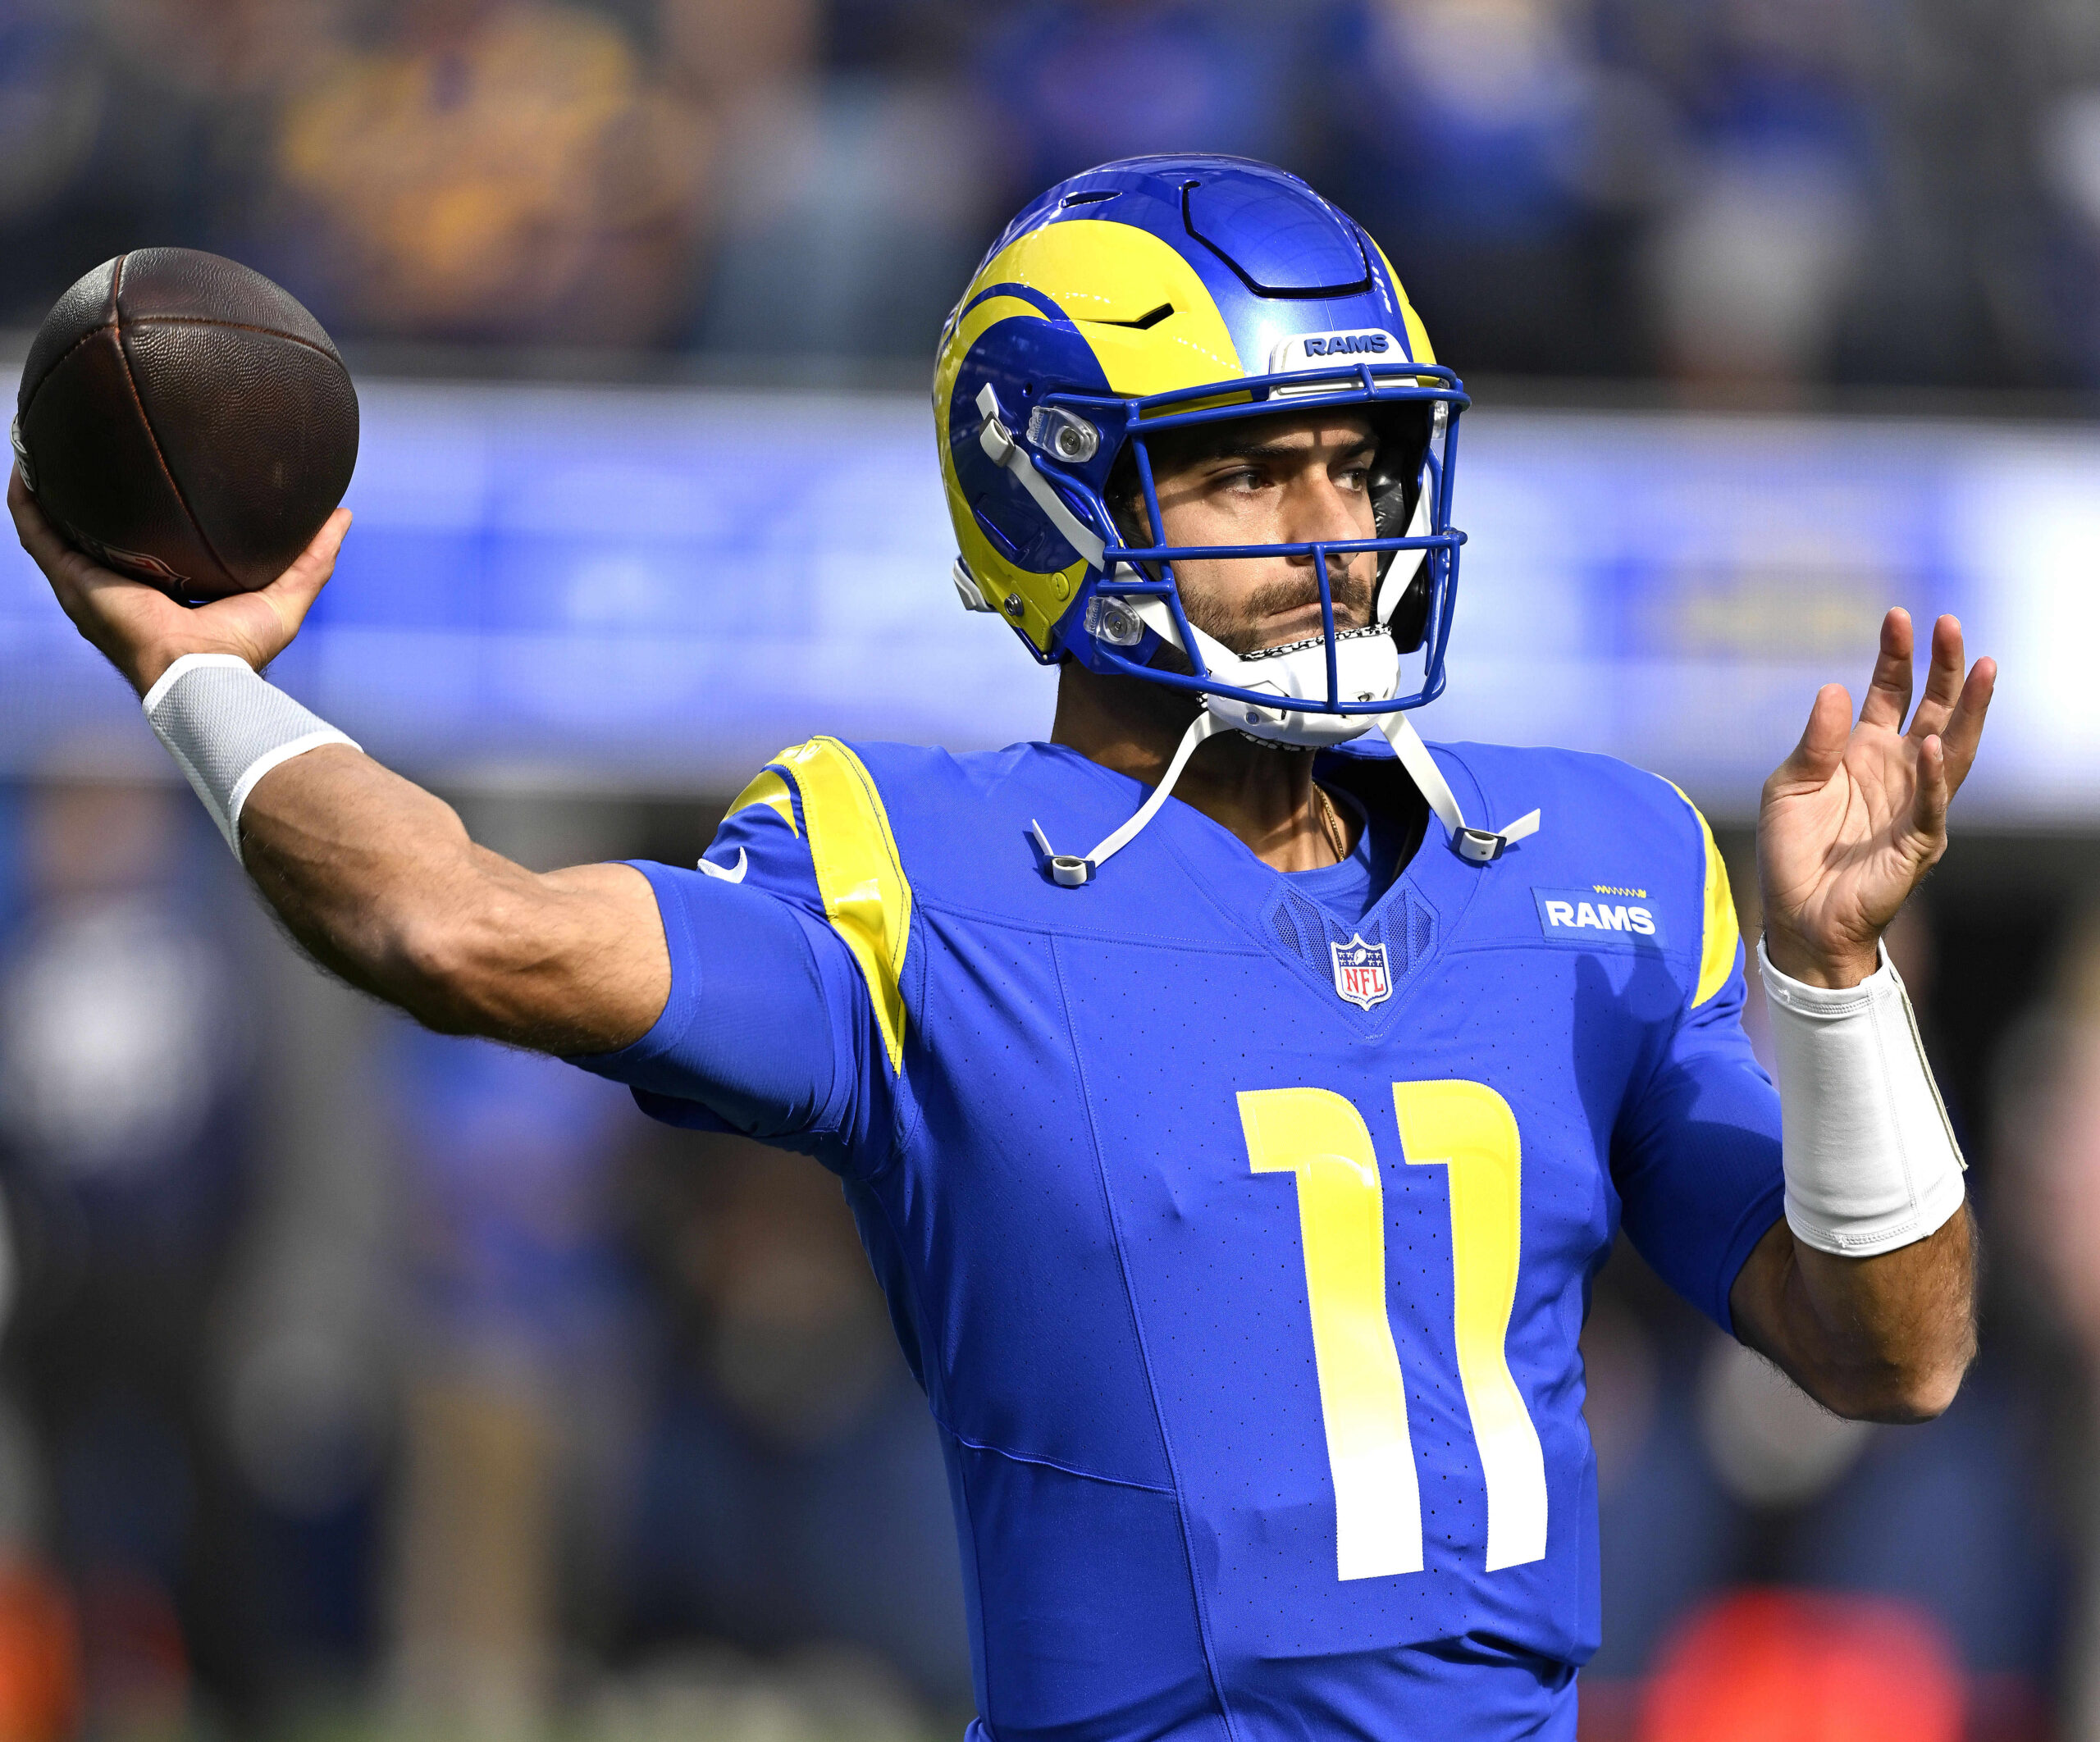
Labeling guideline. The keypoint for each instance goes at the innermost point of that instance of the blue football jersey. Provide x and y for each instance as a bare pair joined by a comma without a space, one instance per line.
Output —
1241,1245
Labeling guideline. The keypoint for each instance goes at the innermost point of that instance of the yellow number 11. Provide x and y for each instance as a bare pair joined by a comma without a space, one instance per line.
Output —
1468,1130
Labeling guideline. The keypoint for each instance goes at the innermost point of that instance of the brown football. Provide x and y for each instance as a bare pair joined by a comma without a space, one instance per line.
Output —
185,420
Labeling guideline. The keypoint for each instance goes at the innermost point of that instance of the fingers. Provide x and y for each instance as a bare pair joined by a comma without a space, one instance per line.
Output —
1928,805
39,536
1953,708
1954,704
292,594
1822,747
312,567
1888,694
1965,726
75,577
1942,680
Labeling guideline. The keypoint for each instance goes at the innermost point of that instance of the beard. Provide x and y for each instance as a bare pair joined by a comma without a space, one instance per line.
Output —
1241,623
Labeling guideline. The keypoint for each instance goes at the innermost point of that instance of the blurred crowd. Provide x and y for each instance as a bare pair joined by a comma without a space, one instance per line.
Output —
1786,192
358,1382
355,1381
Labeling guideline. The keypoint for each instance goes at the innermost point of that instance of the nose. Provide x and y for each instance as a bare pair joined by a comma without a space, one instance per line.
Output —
1316,509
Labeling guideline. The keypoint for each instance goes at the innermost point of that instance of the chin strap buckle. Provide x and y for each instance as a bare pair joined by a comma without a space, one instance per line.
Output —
1068,870
1477,846
1483,846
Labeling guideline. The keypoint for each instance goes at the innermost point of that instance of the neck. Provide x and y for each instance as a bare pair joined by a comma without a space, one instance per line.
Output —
1262,793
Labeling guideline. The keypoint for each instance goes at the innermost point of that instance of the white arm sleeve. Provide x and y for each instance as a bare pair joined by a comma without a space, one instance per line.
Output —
227,728
1870,1155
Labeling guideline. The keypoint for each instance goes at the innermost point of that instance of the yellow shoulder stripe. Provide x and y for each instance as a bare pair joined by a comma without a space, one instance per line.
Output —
866,896
1717,953
766,788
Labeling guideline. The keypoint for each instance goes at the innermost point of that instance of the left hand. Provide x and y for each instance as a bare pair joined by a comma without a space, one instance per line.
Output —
1853,819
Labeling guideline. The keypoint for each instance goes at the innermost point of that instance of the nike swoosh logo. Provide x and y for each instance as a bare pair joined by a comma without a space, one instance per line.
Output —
737,876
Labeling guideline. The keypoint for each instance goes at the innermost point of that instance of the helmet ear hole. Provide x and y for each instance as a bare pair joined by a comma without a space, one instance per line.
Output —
1396,487
1410,620
1396,475
1124,499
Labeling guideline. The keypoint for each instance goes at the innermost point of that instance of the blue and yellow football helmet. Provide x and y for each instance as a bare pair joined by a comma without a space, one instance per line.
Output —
1148,295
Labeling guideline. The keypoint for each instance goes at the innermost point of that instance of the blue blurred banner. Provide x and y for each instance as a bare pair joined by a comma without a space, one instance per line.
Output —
656,590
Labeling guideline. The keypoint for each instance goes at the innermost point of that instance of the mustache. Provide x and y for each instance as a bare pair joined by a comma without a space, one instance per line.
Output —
1243,628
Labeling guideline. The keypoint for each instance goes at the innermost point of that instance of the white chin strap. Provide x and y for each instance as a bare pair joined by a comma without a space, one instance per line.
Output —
1069,872
1477,846
1003,448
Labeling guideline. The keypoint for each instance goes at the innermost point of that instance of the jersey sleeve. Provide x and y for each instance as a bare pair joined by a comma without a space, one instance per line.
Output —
1696,1154
785,1013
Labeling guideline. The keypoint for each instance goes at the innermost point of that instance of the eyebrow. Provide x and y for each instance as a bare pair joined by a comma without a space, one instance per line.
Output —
1273,450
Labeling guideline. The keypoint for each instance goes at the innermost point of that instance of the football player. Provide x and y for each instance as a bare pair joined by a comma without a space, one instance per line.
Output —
1236,1167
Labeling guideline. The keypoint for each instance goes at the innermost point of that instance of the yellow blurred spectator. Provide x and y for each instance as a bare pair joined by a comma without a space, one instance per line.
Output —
502,172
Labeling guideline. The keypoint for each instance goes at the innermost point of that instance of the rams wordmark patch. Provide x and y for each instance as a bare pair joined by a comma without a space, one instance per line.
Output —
1600,915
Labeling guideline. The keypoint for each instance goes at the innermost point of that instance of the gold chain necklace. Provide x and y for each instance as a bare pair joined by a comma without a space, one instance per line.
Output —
1330,822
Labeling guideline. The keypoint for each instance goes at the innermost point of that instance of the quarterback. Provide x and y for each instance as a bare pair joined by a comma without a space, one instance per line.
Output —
1235,1094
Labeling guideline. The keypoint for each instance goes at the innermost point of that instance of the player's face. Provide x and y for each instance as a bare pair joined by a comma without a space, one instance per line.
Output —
1287,480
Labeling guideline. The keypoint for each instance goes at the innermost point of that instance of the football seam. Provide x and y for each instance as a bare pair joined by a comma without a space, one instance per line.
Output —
95,332
146,422
243,327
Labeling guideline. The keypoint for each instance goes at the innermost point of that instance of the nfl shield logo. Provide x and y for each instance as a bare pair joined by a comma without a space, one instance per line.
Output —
1360,973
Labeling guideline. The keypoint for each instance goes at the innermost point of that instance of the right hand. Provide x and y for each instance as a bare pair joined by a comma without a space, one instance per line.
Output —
142,631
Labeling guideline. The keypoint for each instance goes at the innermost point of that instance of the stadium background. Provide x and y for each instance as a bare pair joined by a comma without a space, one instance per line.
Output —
356,1382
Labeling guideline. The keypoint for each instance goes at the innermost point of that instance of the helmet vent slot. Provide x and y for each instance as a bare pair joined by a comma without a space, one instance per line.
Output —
1089,197
1145,322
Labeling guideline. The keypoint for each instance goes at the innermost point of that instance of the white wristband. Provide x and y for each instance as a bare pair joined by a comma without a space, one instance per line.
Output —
227,728
1870,1155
